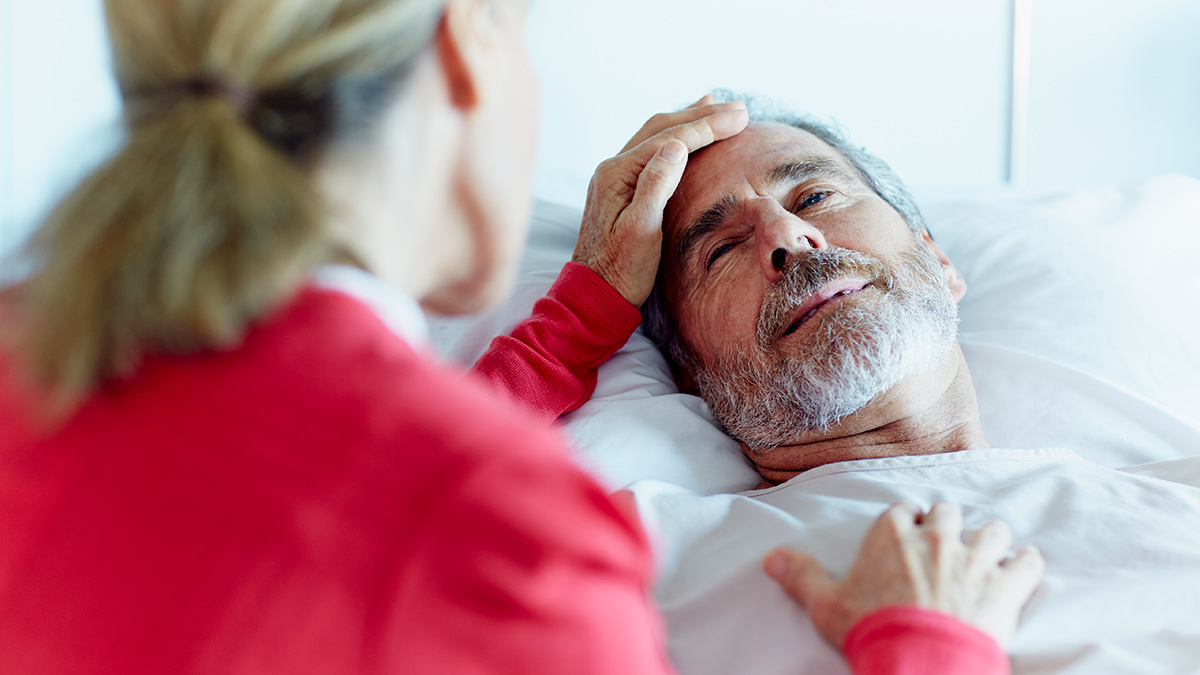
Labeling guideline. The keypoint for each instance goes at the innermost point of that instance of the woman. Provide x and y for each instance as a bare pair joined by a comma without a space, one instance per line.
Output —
223,445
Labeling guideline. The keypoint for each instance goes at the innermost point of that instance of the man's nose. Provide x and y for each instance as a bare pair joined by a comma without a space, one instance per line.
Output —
783,237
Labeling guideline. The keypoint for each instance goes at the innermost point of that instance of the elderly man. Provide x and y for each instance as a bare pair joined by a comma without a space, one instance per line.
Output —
805,301
801,296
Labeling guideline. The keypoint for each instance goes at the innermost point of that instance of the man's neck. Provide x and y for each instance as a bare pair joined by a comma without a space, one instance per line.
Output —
928,413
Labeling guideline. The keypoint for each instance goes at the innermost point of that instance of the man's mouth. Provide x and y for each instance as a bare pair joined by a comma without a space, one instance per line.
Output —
830,293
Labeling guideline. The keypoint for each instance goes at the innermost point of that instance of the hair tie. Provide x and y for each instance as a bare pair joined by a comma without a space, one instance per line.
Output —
242,97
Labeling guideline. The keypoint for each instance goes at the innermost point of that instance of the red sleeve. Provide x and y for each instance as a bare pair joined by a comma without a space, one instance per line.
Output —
531,570
913,641
548,363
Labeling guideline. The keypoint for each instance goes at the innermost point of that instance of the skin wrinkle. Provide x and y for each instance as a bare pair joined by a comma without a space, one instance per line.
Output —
704,225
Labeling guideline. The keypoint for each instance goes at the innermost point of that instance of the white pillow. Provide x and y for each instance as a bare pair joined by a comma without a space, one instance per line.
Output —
1078,323
1078,326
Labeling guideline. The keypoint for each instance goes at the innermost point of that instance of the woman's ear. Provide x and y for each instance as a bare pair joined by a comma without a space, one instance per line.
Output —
956,282
459,42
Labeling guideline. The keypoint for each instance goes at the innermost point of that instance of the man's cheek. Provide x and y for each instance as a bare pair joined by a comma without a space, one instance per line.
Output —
736,328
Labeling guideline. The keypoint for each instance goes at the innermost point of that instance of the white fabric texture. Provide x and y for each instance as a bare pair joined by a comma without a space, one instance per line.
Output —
1079,326
1121,593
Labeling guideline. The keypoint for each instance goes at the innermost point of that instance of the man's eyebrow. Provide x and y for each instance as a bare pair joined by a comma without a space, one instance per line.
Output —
809,168
706,223
712,218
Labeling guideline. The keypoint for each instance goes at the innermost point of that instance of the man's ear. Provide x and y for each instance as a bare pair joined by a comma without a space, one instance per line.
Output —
461,45
956,282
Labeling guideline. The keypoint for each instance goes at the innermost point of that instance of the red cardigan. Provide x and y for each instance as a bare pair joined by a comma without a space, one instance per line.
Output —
321,499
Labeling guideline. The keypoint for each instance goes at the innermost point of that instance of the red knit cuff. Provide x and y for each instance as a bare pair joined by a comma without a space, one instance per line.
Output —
597,304
906,639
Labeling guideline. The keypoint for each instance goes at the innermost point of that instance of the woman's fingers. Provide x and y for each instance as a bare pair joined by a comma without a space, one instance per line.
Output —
1009,588
623,173
902,517
946,519
635,239
621,234
1023,573
801,575
910,557
656,184
663,121
619,175
709,128
990,544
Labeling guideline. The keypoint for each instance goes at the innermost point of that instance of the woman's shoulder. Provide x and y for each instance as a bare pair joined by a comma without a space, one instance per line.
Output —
323,384
404,390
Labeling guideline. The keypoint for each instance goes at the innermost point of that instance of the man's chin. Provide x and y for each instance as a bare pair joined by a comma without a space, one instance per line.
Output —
811,384
790,403
806,385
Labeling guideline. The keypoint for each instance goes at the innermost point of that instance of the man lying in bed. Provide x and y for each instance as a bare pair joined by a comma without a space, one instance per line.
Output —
800,295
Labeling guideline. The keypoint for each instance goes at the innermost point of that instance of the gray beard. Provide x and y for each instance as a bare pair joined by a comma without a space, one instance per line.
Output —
862,347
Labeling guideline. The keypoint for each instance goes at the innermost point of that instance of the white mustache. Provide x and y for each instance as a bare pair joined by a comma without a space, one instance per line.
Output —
806,274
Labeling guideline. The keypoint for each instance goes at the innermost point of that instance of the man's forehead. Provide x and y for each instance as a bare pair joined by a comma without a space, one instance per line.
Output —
751,157
767,157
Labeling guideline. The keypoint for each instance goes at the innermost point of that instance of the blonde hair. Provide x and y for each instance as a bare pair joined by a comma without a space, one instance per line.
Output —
206,218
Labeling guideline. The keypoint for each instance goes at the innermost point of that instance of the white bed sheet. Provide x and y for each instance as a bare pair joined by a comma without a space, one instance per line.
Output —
1121,594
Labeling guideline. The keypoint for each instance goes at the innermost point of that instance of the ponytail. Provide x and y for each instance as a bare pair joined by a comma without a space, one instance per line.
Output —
192,230
206,219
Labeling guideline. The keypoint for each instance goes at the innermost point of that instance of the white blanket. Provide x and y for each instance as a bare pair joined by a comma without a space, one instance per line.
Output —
1121,594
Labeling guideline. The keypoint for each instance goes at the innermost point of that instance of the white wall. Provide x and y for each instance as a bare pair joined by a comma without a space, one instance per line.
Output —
6,126
924,83
58,105
1115,91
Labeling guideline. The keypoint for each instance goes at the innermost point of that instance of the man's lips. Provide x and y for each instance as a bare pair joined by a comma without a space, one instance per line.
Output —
828,293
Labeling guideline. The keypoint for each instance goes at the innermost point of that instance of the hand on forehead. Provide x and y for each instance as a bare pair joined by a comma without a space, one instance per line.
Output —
768,160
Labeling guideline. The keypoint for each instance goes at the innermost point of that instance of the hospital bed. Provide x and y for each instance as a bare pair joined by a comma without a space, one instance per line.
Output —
1080,329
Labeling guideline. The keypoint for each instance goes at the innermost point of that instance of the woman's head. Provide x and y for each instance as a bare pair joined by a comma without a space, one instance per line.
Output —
453,159
245,121
300,74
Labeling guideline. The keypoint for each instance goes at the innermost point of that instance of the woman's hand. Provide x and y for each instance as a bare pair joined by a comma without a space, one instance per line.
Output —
621,234
911,558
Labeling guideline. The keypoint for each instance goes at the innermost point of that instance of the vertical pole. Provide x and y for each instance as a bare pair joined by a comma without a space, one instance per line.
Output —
7,134
1018,132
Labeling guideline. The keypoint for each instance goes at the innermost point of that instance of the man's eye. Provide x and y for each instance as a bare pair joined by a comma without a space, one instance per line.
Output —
720,251
814,198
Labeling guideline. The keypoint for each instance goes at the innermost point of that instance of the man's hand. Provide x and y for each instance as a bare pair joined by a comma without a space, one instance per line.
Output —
621,234
911,558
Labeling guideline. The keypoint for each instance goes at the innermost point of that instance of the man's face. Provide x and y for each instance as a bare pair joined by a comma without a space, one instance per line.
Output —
800,293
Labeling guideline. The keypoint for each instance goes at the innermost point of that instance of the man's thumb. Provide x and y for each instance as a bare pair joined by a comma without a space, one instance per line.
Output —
800,574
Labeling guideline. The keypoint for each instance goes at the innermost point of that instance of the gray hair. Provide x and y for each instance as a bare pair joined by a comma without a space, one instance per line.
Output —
658,320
